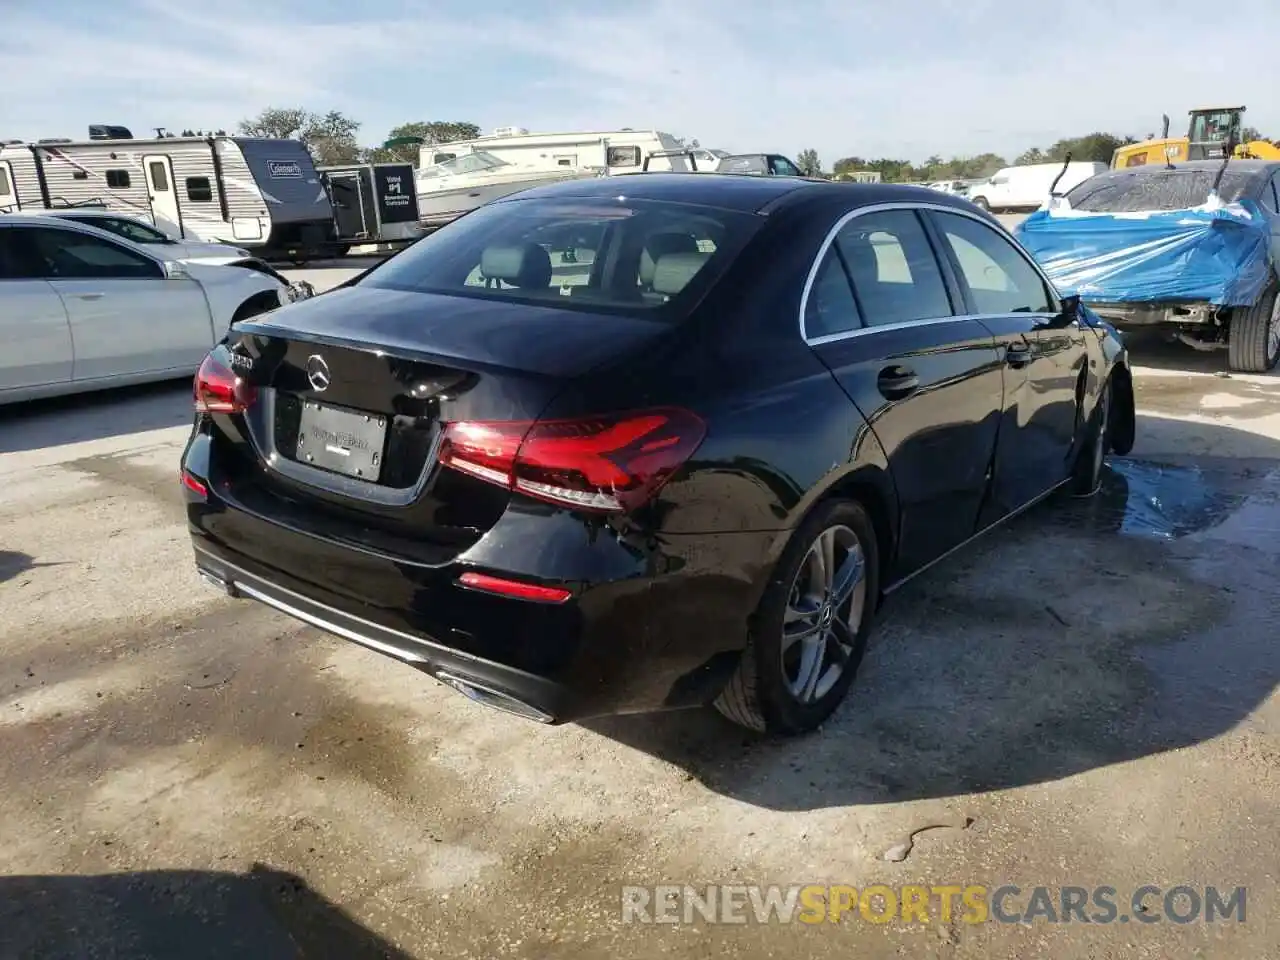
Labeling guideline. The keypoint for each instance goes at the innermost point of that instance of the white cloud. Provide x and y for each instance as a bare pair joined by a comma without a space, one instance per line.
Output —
906,80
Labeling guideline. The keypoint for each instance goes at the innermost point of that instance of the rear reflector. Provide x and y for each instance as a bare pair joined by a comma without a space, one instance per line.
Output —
611,464
194,485
219,389
513,588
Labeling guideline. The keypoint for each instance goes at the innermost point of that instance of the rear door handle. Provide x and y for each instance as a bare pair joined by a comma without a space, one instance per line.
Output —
88,296
1017,354
895,383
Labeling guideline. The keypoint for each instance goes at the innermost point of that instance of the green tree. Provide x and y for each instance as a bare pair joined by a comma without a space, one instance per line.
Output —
1092,147
330,137
278,123
807,161
430,132
1249,134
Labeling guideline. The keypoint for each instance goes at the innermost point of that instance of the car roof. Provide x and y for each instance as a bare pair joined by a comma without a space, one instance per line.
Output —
744,192
728,191
62,223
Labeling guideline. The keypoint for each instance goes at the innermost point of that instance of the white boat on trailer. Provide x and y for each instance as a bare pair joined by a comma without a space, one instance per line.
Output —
614,151
450,188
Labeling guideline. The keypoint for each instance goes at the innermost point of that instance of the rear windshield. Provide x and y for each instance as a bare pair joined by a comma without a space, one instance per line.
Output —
1155,190
603,255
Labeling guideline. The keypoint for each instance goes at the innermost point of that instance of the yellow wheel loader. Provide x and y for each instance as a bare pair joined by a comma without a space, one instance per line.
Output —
1207,133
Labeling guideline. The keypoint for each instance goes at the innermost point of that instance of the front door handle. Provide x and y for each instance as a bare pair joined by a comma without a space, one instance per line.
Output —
88,296
895,383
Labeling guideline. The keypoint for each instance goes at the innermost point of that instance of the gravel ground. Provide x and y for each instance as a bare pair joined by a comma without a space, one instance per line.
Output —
1087,697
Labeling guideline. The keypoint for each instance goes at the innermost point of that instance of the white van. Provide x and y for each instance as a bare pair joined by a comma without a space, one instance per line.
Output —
1017,189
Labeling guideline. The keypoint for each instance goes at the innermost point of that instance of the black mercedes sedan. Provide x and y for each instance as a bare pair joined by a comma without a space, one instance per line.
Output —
629,444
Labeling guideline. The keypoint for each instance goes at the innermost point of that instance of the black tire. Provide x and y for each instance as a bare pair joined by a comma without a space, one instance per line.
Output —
1086,473
1253,342
761,696
982,203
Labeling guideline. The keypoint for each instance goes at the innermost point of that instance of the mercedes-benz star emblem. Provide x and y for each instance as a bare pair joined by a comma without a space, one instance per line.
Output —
318,373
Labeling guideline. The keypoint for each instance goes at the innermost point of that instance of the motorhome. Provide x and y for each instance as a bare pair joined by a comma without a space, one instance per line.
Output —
612,151
261,194
1026,188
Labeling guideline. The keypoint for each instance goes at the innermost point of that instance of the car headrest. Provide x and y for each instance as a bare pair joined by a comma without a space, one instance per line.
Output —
860,255
527,266
661,245
672,273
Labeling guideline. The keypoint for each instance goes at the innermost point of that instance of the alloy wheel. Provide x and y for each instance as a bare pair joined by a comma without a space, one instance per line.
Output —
824,613
1104,418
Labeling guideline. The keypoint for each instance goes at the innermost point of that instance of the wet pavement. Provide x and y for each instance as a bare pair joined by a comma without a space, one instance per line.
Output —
1087,696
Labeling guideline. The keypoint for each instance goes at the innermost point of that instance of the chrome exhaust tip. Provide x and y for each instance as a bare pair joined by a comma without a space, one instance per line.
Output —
493,698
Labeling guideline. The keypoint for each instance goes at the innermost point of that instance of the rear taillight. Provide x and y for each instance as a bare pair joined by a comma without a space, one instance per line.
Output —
611,464
219,389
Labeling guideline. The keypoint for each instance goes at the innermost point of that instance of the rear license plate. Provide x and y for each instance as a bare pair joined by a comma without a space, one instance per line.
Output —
343,441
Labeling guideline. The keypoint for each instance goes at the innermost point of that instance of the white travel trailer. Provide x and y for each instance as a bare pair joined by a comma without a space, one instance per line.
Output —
612,151
261,194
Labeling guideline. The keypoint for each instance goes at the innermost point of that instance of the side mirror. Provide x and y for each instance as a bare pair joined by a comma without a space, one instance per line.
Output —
1071,306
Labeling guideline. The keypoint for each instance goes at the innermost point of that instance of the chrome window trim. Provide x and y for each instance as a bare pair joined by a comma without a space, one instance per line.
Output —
912,205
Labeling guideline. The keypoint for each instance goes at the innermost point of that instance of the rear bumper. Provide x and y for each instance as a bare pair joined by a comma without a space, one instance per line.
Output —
1132,315
493,684
651,625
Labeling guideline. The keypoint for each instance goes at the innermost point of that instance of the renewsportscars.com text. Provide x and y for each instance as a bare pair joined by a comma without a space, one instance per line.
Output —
968,903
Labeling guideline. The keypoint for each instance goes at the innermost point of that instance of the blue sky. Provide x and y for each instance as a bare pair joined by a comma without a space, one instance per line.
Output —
904,79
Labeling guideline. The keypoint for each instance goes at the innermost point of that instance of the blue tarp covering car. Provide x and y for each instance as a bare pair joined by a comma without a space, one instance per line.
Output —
1218,255
1189,248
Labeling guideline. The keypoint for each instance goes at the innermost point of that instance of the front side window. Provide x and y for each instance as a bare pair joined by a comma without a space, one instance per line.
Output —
610,256
999,278
895,274
71,255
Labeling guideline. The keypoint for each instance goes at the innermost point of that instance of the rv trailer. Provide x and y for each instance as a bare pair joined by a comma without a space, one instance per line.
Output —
612,151
261,194
373,203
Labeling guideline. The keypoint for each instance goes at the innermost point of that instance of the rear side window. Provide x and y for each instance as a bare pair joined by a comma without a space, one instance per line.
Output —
895,274
999,278
830,309
603,256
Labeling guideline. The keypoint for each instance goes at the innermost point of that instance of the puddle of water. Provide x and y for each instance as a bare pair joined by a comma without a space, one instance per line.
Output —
1159,501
